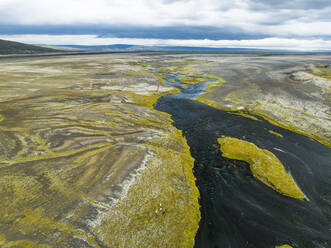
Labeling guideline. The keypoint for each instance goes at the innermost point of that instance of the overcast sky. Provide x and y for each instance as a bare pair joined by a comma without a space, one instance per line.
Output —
272,23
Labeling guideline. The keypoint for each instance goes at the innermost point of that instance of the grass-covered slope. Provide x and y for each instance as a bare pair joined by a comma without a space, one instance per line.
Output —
11,47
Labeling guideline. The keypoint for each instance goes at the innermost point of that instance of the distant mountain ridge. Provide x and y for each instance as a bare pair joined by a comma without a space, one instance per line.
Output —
99,47
126,47
157,48
12,47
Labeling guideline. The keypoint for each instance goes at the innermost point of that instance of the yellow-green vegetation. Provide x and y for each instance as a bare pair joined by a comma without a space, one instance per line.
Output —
322,71
217,82
201,98
246,115
85,160
204,98
275,133
211,103
265,166
166,70
192,80
160,76
284,246
294,128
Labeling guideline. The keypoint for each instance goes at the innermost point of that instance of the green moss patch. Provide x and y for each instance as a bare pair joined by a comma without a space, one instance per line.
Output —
264,165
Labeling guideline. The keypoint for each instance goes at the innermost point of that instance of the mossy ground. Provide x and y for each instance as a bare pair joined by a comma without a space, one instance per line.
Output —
83,166
264,165
246,115
275,133
323,71
192,80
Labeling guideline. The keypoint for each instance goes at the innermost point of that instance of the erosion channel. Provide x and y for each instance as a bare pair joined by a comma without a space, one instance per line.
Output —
237,209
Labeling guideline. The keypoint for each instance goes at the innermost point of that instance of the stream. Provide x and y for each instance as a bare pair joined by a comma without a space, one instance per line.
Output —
238,210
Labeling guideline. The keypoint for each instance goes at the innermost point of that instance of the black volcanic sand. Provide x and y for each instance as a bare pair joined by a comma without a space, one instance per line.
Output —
237,209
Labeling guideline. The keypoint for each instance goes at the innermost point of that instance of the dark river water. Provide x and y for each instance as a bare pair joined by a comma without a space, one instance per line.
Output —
238,210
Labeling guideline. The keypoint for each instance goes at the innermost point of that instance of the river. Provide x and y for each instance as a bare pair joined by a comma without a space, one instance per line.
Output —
238,210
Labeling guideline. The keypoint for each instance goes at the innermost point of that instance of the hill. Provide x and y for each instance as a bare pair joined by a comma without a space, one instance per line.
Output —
11,47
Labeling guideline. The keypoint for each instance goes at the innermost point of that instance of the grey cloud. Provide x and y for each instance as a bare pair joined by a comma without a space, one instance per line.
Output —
168,32
177,19
289,4
280,12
